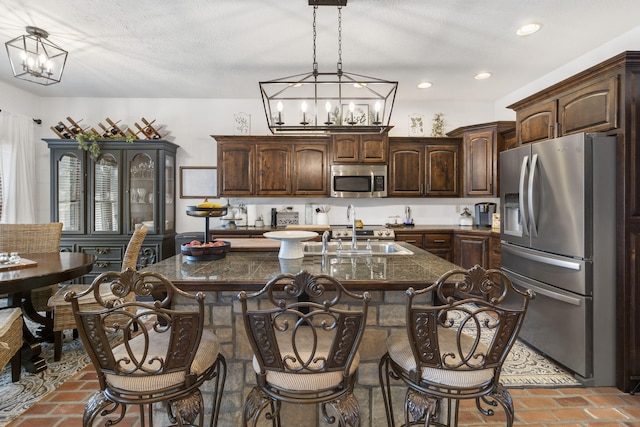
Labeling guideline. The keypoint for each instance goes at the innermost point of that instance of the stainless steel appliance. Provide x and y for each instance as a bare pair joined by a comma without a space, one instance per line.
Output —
373,232
484,213
359,181
557,199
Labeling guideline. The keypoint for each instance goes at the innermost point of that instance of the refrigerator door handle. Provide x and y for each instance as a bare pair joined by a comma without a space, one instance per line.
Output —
542,259
532,175
523,174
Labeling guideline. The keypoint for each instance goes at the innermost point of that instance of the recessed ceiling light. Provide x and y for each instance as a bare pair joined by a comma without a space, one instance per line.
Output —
527,29
424,85
483,75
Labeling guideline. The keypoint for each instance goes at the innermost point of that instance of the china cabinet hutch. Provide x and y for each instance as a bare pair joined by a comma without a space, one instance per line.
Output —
101,201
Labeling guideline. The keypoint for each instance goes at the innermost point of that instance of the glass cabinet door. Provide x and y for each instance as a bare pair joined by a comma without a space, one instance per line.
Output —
106,188
169,189
142,191
70,197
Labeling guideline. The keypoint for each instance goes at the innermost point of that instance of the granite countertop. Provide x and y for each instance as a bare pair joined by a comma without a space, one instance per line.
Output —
251,270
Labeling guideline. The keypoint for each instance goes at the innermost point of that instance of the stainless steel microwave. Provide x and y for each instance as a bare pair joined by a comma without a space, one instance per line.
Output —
359,180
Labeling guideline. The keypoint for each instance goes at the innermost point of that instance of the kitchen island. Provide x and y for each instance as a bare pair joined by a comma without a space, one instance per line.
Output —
385,277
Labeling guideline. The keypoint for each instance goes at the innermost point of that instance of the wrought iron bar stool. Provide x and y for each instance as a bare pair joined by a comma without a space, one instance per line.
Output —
304,331
454,350
162,354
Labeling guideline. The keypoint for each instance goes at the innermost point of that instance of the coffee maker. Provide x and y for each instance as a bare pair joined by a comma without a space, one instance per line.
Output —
484,214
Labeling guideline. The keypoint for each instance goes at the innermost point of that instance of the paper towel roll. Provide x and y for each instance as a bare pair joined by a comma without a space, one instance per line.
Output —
252,214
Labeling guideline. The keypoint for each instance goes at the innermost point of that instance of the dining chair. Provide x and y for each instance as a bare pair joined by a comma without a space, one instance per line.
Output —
455,349
11,323
26,238
63,318
161,352
304,331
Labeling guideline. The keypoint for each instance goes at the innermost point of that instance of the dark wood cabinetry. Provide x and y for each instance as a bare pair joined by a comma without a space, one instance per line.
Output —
272,166
590,107
603,99
481,145
420,167
101,202
471,249
359,148
439,243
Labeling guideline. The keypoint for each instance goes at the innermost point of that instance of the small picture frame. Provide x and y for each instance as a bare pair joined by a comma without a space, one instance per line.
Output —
242,124
416,125
198,182
359,117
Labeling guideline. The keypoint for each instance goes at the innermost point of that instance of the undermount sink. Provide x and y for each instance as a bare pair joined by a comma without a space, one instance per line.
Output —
374,248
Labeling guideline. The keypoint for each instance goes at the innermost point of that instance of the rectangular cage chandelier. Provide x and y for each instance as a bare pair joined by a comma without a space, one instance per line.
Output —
326,102
36,59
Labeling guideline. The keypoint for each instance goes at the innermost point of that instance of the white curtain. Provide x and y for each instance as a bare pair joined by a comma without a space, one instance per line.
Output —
17,168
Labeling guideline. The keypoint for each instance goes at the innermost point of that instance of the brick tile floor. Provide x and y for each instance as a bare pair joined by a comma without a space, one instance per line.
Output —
541,407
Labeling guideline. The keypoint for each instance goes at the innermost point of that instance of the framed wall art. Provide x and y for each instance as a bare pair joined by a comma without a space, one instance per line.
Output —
416,125
198,182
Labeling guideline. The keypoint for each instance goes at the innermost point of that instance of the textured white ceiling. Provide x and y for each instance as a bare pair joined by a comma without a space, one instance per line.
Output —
223,48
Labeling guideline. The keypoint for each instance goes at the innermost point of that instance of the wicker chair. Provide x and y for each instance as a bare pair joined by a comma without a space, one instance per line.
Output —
11,340
26,238
455,350
167,361
305,337
63,315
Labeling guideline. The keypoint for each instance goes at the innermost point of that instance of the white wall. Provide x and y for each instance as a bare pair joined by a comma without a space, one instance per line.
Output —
190,122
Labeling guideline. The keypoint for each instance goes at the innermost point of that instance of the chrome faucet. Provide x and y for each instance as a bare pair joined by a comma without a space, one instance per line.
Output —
325,242
351,215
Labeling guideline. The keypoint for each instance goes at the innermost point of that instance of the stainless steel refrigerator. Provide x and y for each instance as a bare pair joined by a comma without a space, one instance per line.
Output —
557,202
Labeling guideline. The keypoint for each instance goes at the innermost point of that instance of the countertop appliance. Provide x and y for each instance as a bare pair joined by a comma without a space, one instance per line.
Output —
484,213
373,232
359,181
557,201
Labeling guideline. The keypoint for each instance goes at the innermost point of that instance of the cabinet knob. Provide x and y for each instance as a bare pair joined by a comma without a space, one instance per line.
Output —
102,264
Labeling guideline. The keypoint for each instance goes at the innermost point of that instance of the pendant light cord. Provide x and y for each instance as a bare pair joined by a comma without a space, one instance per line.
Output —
315,62
340,39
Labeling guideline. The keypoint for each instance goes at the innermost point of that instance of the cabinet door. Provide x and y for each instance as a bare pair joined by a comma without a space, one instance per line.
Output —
536,123
105,204
590,109
356,148
67,190
310,175
442,168
235,177
470,250
406,170
345,148
480,162
374,148
273,161
143,184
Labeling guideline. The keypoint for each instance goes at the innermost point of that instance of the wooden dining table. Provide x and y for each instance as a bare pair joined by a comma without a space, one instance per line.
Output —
36,271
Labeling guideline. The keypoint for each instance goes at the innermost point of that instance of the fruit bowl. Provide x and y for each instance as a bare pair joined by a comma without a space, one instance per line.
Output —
196,251
206,212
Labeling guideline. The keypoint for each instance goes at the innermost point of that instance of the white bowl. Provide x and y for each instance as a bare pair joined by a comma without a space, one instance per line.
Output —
148,224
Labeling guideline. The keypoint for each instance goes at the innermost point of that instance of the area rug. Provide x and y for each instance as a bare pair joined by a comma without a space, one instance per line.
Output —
18,397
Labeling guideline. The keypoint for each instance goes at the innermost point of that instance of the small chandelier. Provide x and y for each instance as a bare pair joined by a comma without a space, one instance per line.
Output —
35,59
318,102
